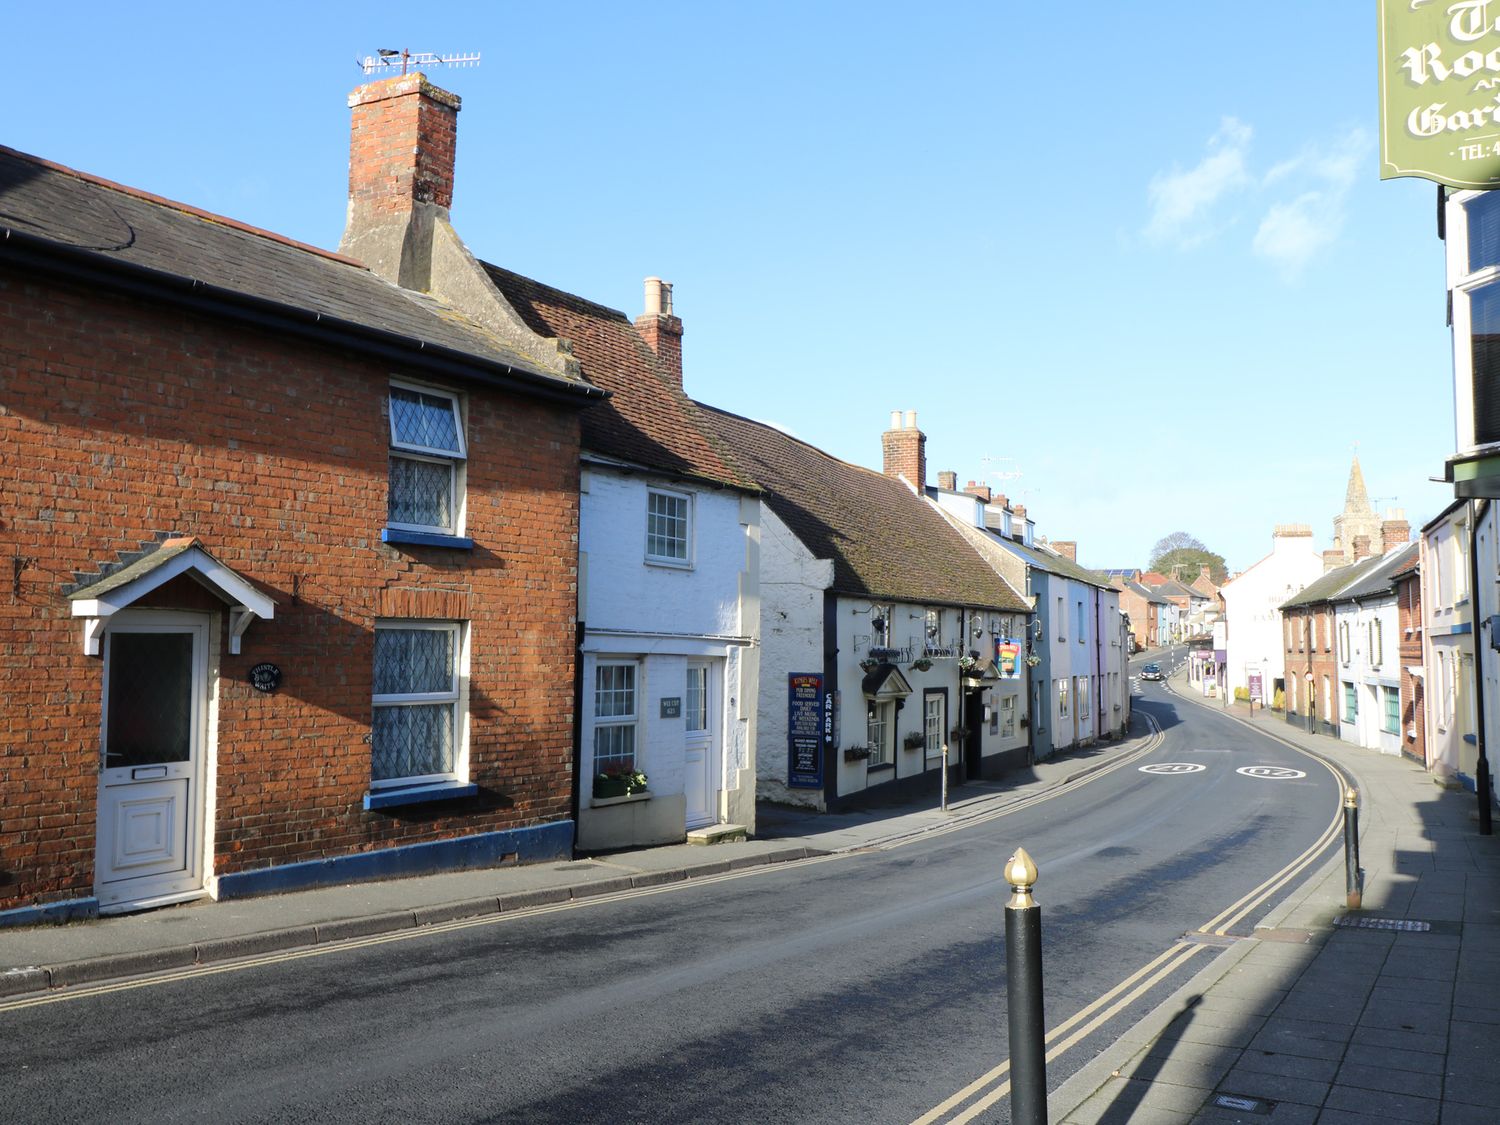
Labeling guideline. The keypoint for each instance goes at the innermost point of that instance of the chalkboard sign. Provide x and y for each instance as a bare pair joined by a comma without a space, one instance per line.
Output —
265,677
804,730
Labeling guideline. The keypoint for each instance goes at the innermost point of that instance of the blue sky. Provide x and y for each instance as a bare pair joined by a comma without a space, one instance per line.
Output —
1133,264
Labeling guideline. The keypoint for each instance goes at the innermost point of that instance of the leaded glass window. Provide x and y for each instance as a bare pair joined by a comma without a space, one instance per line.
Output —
426,460
414,733
614,716
668,526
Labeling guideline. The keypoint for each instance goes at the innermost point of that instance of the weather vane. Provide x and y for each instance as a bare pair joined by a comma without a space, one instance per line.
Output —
386,59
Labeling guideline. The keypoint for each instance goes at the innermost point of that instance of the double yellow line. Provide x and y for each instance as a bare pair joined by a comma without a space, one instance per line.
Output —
1095,1015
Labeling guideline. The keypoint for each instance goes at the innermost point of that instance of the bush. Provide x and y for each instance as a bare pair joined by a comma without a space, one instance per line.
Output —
1278,700
1242,695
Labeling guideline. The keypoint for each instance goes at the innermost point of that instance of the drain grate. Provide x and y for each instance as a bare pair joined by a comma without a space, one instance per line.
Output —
1261,1106
1405,925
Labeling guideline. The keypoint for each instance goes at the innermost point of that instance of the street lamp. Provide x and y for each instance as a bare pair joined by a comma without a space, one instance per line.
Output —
1312,702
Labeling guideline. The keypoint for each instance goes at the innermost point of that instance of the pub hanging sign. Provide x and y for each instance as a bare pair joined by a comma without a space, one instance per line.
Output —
1440,91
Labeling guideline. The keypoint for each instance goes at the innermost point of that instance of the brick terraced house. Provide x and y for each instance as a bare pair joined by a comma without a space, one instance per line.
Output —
292,541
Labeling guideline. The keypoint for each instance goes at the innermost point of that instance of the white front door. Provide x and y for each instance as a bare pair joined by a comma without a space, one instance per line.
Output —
700,745
150,828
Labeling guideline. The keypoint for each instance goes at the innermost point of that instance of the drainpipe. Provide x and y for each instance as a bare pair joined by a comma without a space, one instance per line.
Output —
1482,767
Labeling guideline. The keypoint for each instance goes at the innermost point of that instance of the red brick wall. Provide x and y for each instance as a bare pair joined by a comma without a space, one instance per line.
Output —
120,422
404,141
1413,702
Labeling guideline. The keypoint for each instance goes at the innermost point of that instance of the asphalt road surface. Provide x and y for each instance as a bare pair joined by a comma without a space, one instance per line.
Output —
865,988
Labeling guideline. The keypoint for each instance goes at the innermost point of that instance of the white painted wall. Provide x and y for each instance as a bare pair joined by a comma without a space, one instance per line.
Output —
1448,646
661,616
1251,608
792,589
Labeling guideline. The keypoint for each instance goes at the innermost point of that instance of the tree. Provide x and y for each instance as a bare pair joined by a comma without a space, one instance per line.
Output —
1181,556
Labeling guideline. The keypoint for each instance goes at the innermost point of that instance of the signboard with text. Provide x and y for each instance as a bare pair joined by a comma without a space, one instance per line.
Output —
804,730
1440,91
1008,659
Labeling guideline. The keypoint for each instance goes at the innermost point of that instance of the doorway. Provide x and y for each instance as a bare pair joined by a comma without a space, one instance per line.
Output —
153,746
700,744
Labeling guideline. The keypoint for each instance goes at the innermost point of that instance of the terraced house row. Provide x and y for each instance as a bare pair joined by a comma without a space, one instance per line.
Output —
336,566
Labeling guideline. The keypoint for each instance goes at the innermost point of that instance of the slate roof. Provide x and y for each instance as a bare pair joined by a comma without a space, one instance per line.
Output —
1146,592
60,213
1327,586
1380,579
1172,588
884,540
648,420
1052,563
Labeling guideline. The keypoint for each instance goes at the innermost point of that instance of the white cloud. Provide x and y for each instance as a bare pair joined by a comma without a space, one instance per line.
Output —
1294,230
1182,202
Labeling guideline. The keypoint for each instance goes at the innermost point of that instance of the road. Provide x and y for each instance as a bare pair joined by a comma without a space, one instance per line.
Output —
864,988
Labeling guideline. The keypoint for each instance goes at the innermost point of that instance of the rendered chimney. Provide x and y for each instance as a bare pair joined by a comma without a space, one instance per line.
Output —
1361,547
661,329
948,482
1068,549
1394,532
904,450
1333,559
1018,523
980,490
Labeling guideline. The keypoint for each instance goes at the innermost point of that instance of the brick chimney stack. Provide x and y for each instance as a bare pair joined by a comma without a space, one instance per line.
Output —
661,329
1004,502
904,450
948,481
980,490
1394,532
401,152
1361,547
1067,548
1018,523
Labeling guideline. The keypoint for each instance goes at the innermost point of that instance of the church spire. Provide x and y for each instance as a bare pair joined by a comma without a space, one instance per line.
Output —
1356,499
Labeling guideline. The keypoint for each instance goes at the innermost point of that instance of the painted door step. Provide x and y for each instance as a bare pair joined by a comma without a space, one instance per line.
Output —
717,834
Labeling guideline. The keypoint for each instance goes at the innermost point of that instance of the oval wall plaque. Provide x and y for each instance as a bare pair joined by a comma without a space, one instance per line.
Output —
265,677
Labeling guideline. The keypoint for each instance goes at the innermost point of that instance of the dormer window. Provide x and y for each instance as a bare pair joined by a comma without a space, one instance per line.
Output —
427,459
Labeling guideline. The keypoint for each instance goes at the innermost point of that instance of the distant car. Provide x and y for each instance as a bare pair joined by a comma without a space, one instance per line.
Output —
1151,672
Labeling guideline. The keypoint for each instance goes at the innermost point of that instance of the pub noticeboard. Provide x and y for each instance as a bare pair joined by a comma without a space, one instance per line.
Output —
804,730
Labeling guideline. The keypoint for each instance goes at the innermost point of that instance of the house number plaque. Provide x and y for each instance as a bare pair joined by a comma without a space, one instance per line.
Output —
671,707
265,677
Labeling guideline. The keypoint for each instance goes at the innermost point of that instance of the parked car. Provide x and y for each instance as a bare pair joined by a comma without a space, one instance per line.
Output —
1151,672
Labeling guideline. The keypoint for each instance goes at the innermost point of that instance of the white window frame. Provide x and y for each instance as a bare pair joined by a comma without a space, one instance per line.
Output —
457,696
934,725
1344,645
1007,716
1062,697
1377,643
631,721
880,635
1461,285
1081,700
880,723
457,463
932,628
688,518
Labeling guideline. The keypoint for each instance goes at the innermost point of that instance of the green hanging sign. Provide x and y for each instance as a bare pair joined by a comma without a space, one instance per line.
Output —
1440,91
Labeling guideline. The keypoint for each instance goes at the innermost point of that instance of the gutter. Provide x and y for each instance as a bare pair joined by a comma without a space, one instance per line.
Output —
75,264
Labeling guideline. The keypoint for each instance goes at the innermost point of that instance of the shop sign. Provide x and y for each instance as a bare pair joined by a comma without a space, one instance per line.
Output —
1440,91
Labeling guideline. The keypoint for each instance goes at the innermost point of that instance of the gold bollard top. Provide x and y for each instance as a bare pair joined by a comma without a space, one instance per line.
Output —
1021,874
1351,798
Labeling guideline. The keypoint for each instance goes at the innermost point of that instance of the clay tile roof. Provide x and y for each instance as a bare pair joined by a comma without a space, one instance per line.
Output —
647,420
885,540
66,215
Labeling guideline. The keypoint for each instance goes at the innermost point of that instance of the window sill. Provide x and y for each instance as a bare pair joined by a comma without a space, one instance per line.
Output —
425,539
669,564
605,802
882,767
419,794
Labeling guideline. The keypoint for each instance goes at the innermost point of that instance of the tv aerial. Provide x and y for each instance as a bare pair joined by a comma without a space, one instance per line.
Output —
387,60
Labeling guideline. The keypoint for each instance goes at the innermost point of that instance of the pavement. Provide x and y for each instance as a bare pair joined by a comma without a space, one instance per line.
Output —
1327,1014
34,959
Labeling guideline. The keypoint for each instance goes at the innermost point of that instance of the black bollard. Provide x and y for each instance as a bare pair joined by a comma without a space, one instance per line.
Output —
1023,969
1354,893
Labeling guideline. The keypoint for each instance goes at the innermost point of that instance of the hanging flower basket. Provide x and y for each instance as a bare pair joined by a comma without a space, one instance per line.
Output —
869,665
921,664
1033,660
856,753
